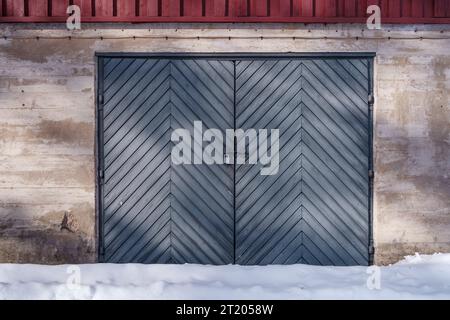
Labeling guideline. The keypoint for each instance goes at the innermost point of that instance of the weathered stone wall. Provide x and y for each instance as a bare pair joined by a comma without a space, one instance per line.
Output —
47,126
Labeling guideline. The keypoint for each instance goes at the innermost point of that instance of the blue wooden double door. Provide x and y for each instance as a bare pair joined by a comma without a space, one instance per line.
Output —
313,209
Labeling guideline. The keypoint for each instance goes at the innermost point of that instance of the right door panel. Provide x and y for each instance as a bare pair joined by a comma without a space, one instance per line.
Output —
315,209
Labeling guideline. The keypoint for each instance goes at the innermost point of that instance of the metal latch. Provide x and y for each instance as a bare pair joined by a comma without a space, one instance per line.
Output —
371,99
101,175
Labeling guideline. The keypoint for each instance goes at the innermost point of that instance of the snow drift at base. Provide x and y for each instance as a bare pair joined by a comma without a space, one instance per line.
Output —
416,277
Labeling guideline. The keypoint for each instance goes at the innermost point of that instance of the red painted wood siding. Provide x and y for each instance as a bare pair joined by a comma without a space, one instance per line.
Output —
306,11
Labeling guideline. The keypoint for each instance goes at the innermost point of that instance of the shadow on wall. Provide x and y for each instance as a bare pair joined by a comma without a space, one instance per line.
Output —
412,182
25,238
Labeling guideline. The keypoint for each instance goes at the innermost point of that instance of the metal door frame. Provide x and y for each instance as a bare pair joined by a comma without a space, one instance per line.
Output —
99,157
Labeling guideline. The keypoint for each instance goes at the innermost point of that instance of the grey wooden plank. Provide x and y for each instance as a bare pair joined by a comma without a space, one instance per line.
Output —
220,174
347,89
187,101
129,244
158,246
352,81
257,84
128,185
196,200
287,120
203,94
134,98
253,183
252,237
360,65
329,182
280,240
288,252
332,94
225,69
324,195
331,167
136,117
337,251
127,209
319,144
136,163
318,131
160,253
316,203
311,242
247,70
146,132
214,80
124,81
269,190
148,231
270,89
286,95
337,119
204,242
114,72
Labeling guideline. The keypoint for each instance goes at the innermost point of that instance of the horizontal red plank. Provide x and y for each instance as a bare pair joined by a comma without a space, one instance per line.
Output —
417,8
59,8
85,6
126,8
160,19
14,8
306,11
148,8
38,8
104,8
441,8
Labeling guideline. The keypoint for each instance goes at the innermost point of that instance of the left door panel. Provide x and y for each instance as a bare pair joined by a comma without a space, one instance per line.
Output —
152,210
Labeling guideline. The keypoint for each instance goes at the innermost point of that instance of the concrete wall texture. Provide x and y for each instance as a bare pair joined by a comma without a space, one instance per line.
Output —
47,126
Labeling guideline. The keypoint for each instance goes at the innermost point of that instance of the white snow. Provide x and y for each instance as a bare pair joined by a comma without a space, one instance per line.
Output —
416,277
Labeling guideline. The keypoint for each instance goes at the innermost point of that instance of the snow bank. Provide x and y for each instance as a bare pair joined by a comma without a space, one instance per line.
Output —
416,277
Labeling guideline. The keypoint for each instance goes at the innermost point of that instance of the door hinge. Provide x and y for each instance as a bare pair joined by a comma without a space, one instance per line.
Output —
101,175
371,249
371,173
100,99
371,100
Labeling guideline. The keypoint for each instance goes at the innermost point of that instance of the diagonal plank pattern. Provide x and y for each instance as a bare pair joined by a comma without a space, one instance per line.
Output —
137,161
202,197
315,210
268,207
154,211
335,127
